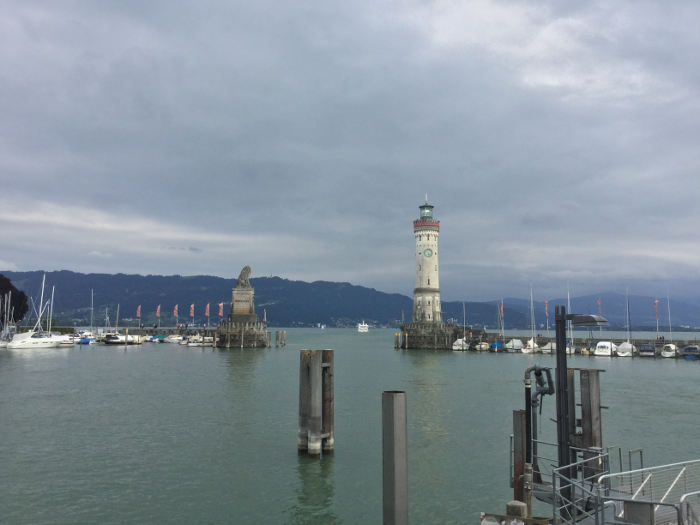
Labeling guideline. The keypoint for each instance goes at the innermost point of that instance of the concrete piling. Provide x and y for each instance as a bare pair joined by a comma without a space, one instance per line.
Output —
394,458
327,419
315,402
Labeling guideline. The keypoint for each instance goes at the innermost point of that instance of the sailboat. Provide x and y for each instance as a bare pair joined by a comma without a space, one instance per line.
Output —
531,346
627,349
8,327
37,337
87,337
669,349
462,343
570,348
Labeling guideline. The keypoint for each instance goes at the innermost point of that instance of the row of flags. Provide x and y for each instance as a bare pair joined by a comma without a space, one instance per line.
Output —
176,314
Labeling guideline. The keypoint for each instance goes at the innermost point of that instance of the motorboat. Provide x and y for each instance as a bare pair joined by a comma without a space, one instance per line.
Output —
195,340
115,338
173,338
648,350
362,327
690,352
669,350
605,349
33,339
85,337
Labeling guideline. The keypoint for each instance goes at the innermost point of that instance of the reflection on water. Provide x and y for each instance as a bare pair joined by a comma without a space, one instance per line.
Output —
315,492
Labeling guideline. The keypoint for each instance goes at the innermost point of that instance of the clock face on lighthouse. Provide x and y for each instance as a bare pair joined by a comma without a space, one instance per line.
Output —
428,252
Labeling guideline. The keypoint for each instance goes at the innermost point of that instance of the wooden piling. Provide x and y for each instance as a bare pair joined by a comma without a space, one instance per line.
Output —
277,338
394,458
327,414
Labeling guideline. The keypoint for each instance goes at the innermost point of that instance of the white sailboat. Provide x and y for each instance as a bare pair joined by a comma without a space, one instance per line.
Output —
627,349
570,348
669,350
531,346
462,343
36,337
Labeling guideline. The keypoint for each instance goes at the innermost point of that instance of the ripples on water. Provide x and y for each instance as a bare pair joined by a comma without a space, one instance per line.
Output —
163,433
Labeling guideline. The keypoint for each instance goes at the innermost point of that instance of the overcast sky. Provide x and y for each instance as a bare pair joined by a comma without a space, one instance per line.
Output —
558,141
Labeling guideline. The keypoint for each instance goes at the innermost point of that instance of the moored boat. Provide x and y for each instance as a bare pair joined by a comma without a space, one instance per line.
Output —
669,351
605,349
460,344
626,349
514,345
362,327
648,350
690,352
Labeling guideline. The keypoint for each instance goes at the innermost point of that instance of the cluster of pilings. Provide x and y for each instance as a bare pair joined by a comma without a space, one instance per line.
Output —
280,338
315,402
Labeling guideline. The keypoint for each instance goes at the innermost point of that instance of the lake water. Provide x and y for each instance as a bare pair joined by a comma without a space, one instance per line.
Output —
167,433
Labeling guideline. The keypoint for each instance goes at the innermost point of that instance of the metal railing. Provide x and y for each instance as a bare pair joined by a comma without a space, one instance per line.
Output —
576,497
690,508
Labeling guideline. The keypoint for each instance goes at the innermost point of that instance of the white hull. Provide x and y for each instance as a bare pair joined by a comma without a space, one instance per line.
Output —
362,327
669,351
514,345
605,349
626,350
460,344
33,340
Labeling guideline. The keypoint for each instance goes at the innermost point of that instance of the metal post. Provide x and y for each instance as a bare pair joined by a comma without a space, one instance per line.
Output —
394,458
562,388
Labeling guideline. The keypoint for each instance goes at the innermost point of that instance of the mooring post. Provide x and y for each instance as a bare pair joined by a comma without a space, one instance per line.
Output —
277,338
327,414
316,398
394,458
304,399
519,453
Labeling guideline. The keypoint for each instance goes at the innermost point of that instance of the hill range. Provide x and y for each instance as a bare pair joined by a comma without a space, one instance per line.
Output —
299,303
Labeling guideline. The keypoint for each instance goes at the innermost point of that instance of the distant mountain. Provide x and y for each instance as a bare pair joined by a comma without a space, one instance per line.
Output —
299,303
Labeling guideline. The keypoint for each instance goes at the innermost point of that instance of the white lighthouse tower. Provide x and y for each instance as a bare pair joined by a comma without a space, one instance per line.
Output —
426,294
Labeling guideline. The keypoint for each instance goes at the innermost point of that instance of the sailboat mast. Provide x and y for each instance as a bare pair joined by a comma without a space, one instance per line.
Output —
92,307
41,302
569,328
670,330
532,316
51,309
629,328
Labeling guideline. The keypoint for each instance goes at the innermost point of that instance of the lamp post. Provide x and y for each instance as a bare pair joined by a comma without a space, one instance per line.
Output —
562,389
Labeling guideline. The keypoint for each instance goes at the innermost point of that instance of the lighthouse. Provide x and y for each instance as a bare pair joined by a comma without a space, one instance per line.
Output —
427,329
426,294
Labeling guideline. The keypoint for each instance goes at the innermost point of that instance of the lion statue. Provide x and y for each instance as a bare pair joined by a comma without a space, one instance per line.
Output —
243,278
